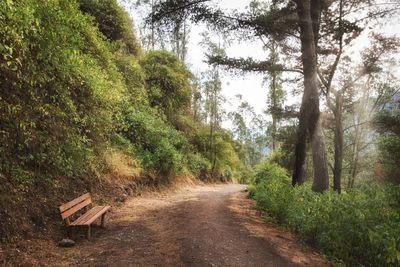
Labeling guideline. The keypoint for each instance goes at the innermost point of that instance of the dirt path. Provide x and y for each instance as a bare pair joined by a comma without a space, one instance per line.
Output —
200,226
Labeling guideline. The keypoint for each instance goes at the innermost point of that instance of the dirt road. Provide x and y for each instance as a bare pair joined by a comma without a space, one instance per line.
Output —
198,226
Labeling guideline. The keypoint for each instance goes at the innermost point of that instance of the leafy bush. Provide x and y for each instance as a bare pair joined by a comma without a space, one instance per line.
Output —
272,185
390,156
227,163
284,156
113,21
157,144
167,81
388,124
224,160
134,79
360,227
56,107
198,165
266,172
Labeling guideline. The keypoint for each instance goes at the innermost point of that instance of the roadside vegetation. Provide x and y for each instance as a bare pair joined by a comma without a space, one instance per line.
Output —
359,227
84,107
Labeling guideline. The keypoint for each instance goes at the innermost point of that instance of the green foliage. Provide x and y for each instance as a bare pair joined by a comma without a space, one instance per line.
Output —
227,165
359,228
271,185
226,159
134,78
388,123
56,106
390,156
71,89
284,156
267,171
198,165
113,21
157,144
249,130
167,81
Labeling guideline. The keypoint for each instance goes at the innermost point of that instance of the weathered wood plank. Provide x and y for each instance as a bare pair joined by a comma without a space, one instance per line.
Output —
82,219
101,212
76,208
74,202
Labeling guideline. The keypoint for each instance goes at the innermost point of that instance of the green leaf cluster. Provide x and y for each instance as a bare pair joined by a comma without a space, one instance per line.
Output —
388,123
113,22
167,82
75,83
55,99
158,145
359,228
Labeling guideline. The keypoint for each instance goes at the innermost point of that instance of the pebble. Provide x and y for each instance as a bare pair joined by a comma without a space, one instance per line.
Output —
66,243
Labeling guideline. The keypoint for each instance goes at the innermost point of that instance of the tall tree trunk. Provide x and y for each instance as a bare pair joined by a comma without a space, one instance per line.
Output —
359,135
300,149
321,177
274,104
152,41
184,42
337,112
214,119
355,167
211,137
274,95
356,153
177,37
338,143
309,120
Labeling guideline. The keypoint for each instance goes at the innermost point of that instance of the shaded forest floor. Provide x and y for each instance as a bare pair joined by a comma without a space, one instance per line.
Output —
212,225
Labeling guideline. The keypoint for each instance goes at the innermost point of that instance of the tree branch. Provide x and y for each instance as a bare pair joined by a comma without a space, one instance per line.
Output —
355,125
185,6
248,64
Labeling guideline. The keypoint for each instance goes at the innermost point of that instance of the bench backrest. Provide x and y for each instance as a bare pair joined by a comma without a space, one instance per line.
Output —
75,205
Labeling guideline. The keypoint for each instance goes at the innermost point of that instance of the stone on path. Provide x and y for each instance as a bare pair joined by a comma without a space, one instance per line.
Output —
66,243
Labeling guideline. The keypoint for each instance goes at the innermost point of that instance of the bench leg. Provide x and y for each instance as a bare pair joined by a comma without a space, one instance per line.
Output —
69,232
89,232
103,220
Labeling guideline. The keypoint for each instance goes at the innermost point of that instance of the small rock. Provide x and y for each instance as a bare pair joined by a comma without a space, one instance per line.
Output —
66,243
122,198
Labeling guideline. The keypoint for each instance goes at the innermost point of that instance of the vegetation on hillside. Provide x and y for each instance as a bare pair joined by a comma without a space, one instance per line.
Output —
80,99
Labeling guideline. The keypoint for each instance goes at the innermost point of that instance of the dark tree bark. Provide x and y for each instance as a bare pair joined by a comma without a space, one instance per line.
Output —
309,119
338,142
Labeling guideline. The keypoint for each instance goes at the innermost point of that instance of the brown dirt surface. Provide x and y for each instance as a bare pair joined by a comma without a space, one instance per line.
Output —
201,225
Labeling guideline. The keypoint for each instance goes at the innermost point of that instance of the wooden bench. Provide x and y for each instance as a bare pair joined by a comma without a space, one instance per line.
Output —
70,213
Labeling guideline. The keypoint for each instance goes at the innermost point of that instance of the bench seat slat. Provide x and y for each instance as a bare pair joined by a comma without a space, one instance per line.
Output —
74,202
86,216
76,208
90,216
101,212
